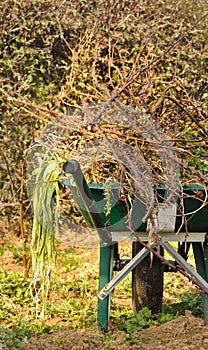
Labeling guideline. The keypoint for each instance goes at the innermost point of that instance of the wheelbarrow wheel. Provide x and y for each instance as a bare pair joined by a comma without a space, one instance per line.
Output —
147,283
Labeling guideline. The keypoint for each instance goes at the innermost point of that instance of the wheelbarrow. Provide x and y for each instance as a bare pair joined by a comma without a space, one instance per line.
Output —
147,276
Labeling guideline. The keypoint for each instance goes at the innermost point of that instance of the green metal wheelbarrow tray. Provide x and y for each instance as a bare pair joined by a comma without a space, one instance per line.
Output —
147,278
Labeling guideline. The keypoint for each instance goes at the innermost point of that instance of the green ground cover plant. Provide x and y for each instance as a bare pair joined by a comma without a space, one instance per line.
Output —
72,300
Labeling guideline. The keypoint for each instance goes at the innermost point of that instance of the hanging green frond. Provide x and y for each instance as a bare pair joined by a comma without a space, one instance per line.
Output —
46,187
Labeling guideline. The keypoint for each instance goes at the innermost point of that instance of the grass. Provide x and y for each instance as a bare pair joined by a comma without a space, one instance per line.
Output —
73,298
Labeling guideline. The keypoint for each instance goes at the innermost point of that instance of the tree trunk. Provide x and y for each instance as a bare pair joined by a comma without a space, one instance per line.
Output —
147,283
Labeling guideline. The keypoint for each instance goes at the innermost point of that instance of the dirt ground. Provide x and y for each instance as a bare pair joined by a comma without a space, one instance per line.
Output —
184,333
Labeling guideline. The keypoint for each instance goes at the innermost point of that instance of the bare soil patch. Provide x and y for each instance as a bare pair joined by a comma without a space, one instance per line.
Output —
184,333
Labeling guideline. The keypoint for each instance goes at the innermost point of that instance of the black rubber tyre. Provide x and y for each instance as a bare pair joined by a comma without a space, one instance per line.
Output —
147,283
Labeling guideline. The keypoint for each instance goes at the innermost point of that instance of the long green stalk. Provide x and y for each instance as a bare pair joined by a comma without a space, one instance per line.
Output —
43,232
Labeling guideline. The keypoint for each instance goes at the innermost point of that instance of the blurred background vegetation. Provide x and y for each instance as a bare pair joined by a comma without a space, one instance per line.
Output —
55,53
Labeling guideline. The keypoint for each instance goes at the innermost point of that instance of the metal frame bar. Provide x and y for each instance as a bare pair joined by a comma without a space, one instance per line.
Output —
108,288
103,293
182,262
163,236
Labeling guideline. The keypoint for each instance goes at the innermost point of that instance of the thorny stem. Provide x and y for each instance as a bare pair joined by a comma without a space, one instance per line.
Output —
134,76
180,105
13,189
135,138
13,204
21,221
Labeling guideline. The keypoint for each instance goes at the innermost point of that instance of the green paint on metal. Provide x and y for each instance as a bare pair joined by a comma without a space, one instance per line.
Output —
196,214
201,265
205,245
105,275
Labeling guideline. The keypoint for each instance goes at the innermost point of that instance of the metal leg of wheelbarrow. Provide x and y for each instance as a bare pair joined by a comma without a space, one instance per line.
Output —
201,264
106,267
182,262
201,260
139,257
105,275
107,289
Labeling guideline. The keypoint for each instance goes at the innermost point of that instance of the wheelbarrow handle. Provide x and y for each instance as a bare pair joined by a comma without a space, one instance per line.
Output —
73,167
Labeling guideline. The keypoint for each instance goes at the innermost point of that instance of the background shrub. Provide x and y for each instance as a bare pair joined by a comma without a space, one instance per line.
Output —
55,53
